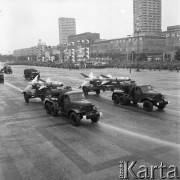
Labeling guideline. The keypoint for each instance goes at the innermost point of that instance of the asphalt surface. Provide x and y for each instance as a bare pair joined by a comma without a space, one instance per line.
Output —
35,146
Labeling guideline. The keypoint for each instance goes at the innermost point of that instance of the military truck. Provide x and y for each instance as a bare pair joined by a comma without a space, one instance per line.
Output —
1,76
31,74
73,104
7,69
140,94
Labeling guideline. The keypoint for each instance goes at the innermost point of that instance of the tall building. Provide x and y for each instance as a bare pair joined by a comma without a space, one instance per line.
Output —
147,17
67,26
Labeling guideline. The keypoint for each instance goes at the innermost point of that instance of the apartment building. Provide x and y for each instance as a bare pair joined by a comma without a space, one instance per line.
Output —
67,26
147,17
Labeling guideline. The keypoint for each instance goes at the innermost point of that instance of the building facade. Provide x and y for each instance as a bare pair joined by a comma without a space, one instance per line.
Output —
77,48
88,35
147,17
67,26
126,48
173,29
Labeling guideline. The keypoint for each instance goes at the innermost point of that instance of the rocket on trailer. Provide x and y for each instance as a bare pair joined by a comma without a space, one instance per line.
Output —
91,79
45,83
40,88
104,82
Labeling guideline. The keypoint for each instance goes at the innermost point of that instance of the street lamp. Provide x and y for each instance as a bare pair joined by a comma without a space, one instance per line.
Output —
137,31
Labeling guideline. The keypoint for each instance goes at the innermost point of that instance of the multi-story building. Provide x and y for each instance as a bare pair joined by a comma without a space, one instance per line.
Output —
152,46
77,48
147,17
67,26
173,29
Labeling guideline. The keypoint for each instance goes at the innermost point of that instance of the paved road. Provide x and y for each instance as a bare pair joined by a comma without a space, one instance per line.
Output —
34,145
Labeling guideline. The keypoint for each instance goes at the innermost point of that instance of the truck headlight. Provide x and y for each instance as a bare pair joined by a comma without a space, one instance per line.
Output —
95,108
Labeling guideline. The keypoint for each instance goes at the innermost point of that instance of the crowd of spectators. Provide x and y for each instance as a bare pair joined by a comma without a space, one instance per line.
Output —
151,65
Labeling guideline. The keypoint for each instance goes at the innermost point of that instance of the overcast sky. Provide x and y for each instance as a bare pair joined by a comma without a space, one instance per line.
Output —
24,22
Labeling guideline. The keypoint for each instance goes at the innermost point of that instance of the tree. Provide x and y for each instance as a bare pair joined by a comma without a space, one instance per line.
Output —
142,57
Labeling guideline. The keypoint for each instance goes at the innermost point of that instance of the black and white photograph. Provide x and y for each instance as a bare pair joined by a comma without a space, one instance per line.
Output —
89,89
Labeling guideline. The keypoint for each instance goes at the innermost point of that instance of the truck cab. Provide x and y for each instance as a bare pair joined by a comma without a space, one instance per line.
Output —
7,69
73,104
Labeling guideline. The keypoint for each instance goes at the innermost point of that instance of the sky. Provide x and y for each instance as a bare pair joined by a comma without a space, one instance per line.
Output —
24,22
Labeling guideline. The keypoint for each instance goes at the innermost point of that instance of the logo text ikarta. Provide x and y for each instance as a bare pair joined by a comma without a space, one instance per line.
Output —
128,169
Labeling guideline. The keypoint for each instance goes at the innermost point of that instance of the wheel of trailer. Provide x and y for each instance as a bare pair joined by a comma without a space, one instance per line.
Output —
85,90
122,100
75,119
54,111
148,106
161,106
116,99
95,119
98,91
26,98
48,108
42,97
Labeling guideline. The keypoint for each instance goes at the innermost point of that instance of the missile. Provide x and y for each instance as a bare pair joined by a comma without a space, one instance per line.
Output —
110,79
47,83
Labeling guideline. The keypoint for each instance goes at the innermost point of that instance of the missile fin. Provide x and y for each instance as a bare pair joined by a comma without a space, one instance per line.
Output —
104,76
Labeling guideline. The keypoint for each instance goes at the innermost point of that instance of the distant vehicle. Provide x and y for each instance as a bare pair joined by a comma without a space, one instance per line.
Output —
73,104
7,69
74,66
140,94
1,76
31,74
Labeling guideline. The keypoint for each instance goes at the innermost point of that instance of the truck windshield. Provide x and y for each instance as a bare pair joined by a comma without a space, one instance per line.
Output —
77,97
146,88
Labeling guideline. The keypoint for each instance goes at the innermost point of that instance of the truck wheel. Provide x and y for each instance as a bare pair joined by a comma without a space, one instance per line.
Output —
115,99
161,106
48,108
54,111
26,98
75,119
122,100
85,90
148,106
98,92
95,119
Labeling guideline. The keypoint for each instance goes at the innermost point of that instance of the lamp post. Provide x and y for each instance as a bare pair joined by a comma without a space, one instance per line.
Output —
137,31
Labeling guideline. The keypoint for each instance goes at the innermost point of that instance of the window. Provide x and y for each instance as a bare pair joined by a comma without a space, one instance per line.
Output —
77,97
66,99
